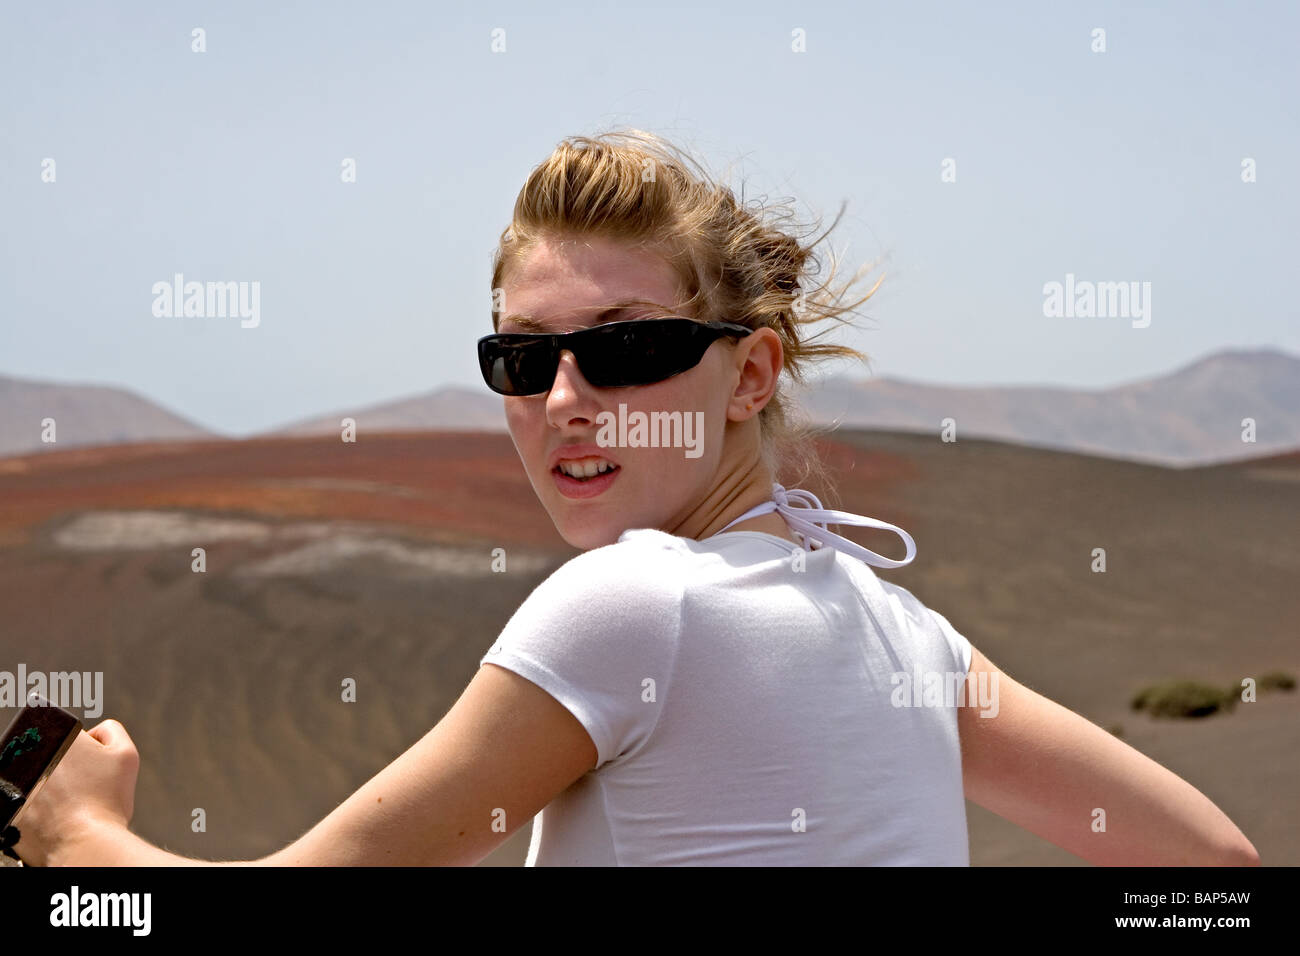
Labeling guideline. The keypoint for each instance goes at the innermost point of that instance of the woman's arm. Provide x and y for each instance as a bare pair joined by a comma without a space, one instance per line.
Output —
502,753
1047,769
97,842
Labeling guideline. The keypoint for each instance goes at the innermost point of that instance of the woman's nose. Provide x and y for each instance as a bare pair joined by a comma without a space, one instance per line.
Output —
568,377
571,397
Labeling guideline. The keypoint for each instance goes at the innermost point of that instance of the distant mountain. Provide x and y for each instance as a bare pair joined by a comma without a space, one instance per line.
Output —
1190,416
83,415
443,409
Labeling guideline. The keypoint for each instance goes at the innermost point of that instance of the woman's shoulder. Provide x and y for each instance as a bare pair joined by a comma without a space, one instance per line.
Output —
925,620
613,607
642,565
634,548
649,560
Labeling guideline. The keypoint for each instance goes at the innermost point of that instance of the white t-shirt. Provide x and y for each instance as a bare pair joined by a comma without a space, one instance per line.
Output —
744,712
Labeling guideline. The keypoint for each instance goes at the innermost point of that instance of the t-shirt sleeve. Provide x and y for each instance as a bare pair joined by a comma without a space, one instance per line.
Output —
930,622
600,635
961,647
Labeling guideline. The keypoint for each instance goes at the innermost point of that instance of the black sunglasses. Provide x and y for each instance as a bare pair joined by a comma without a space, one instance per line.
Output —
612,355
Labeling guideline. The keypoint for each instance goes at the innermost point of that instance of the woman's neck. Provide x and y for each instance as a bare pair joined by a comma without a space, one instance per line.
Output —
772,524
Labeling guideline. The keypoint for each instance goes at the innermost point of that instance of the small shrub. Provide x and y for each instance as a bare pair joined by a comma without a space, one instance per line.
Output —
1276,680
1183,698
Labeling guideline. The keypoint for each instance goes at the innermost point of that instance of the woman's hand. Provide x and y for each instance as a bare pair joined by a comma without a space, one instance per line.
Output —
93,786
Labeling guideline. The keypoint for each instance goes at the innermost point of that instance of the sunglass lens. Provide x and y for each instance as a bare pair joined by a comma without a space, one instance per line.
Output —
518,367
638,353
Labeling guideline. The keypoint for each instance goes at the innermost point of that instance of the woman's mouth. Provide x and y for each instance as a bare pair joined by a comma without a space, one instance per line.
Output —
585,477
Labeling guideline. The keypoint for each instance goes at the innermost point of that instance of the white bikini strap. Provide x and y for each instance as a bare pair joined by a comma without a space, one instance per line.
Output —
810,519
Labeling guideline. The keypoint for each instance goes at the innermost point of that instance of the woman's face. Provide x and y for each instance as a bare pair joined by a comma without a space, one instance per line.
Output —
562,285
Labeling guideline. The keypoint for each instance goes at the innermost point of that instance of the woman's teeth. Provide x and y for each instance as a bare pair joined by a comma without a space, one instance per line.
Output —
587,468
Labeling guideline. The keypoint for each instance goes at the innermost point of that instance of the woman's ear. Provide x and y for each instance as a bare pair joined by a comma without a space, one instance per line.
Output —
759,358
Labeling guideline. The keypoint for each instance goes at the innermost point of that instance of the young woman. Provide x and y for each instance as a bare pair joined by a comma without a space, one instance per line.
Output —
715,680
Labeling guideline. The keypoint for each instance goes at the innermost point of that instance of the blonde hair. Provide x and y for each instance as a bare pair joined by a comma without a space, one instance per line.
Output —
734,262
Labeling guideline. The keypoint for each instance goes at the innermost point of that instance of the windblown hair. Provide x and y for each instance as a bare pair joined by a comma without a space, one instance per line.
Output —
734,262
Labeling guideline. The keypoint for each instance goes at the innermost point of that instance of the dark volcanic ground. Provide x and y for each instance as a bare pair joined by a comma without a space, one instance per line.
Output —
370,561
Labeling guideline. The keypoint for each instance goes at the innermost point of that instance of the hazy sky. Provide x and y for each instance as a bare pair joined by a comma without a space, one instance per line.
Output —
225,165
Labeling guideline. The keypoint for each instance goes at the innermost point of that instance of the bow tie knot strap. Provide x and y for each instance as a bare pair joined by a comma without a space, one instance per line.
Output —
804,513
